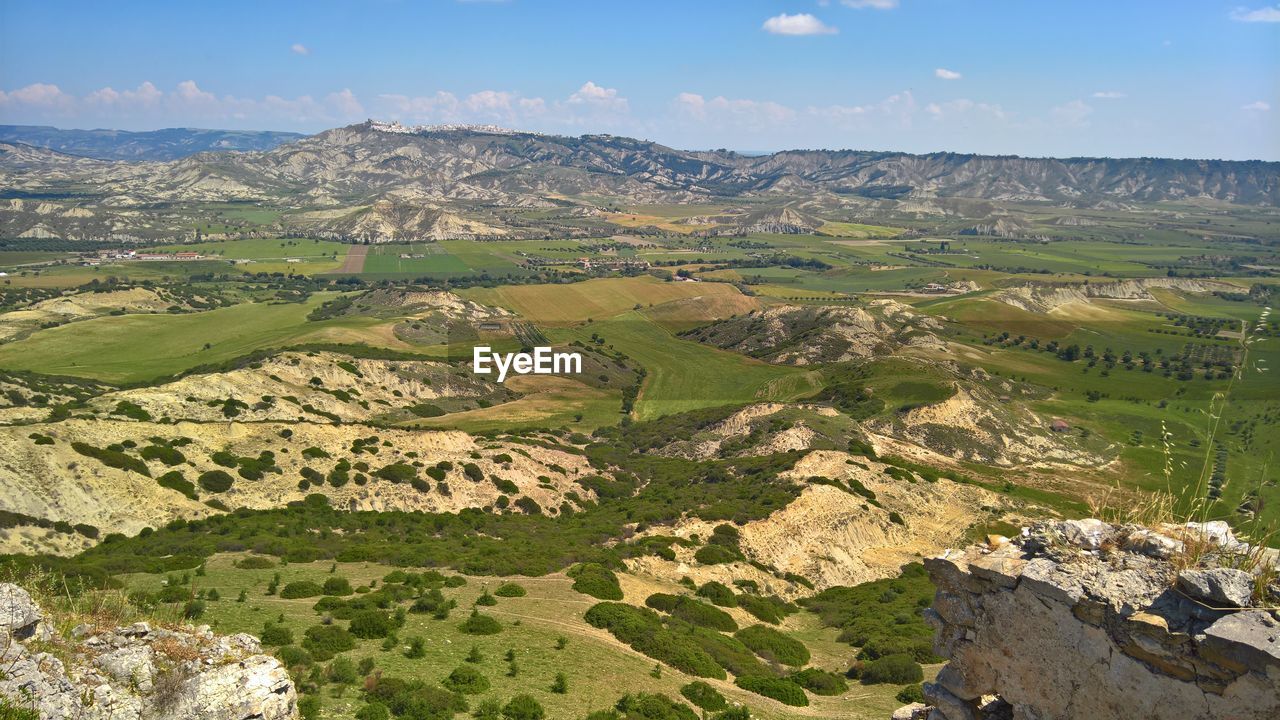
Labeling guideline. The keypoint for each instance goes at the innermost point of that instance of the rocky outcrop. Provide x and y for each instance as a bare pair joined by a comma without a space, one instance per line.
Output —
1082,619
1046,298
135,672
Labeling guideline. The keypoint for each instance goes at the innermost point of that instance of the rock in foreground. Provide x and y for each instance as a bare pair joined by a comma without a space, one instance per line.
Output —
1082,619
135,672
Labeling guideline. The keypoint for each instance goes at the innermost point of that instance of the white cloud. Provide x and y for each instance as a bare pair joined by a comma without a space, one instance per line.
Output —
299,49
739,113
593,96
1259,106
1110,95
38,95
874,4
799,24
1267,14
1074,114
946,74
965,108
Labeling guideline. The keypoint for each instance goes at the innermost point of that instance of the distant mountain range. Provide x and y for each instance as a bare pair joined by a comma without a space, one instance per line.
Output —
491,179
167,144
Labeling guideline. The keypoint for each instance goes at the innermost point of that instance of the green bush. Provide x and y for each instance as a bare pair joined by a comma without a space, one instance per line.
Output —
523,707
255,562
337,586
293,656
215,481
368,624
596,580
112,458
325,641
882,617
718,593
309,707
642,629
480,624
644,706
899,669
773,645
466,679
694,612
766,609
910,694
473,472
300,589
715,555
704,696
175,480
165,454
273,634
820,682
780,689
373,711
397,472
510,590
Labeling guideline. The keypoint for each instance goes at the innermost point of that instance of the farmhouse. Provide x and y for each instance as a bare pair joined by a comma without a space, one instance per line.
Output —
1059,425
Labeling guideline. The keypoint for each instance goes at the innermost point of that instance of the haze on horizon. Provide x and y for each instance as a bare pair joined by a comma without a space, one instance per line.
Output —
1090,78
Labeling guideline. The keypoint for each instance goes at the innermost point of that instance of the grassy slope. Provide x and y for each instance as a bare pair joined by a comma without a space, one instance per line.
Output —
598,668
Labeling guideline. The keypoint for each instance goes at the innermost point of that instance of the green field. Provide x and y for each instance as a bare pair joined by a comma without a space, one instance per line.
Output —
684,375
137,348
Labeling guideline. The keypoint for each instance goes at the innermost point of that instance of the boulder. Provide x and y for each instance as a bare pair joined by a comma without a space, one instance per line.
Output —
20,617
1218,587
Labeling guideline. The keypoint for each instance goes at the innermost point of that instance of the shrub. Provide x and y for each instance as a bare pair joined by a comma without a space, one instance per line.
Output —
467,680
504,485
373,711
175,480
596,580
770,610
820,682
704,696
486,599
273,634
337,586
368,624
215,481
780,689
473,472
910,694
397,473
293,656
342,671
694,612
881,617
642,629
255,562
165,454
479,624
112,458
510,590
528,505
325,641
774,646
300,589
645,706
309,707
900,669
718,593
523,707
715,555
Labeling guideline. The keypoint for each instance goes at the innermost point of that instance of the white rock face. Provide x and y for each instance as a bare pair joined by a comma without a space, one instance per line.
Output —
140,673
1054,627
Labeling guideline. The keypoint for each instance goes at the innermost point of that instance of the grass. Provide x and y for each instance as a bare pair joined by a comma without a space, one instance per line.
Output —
592,299
549,401
684,375
598,668
138,348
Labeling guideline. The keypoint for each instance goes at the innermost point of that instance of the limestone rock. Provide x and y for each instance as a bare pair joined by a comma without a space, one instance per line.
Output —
139,672
1220,587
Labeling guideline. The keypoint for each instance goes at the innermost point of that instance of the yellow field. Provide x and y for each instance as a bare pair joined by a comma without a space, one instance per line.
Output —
595,299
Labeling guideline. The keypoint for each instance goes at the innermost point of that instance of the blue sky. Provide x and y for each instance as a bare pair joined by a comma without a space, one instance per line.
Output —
1176,78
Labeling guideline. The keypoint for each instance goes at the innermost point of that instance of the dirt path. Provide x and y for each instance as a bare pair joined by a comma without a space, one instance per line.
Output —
353,263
